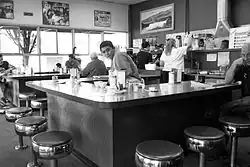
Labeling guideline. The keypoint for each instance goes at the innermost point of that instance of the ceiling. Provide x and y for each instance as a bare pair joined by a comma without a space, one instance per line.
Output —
128,2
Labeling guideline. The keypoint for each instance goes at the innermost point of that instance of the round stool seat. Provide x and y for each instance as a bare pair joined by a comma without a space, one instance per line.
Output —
204,139
29,126
27,96
39,103
52,145
13,114
204,133
158,152
4,108
236,126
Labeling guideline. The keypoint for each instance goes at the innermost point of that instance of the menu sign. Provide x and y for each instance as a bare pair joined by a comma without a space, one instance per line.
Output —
238,36
137,43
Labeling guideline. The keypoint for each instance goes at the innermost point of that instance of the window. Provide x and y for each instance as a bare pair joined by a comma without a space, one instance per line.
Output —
17,40
64,41
28,40
48,41
95,40
8,40
119,39
48,63
81,42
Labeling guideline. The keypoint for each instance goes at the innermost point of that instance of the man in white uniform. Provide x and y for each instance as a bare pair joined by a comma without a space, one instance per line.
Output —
173,57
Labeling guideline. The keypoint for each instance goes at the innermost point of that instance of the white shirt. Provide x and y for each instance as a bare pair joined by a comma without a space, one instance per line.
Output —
175,59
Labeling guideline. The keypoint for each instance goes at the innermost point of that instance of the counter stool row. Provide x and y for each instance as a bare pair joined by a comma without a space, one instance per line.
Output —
33,102
52,145
201,139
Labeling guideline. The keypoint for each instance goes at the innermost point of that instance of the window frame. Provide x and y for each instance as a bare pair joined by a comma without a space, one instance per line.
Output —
39,29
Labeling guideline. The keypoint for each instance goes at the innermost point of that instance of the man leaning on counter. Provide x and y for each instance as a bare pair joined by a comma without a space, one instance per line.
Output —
120,61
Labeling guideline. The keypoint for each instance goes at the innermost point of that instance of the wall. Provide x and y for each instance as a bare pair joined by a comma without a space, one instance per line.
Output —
81,14
179,6
202,15
240,12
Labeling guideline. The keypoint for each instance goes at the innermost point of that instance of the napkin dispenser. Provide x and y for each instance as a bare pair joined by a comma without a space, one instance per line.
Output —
74,73
175,76
121,78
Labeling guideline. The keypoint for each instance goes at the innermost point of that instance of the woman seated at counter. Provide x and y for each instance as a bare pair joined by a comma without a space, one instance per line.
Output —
120,61
144,57
173,57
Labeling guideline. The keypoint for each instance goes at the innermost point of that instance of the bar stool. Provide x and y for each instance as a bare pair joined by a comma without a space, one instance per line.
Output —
161,153
39,103
30,126
4,108
235,127
204,140
52,145
12,115
27,97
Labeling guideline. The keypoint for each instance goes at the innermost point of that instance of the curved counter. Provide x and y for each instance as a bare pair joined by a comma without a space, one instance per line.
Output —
88,94
107,125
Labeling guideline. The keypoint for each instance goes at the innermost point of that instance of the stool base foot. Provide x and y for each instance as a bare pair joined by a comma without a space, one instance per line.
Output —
19,148
32,164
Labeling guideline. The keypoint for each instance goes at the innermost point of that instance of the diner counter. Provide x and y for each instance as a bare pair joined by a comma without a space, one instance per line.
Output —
87,93
35,76
106,125
16,85
214,76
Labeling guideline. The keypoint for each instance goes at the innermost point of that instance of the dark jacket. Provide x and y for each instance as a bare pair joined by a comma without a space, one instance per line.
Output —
242,74
143,58
94,68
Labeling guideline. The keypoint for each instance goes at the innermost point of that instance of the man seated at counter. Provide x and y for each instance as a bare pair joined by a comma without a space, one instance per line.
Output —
72,63
173,57
239,71
120,61
5,68
95,68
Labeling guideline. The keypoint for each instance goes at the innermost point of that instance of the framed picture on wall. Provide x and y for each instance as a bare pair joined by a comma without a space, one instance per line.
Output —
102,18
157,19
6,10
55,13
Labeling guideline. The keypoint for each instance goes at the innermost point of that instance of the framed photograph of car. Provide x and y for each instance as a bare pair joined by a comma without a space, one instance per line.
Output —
157,19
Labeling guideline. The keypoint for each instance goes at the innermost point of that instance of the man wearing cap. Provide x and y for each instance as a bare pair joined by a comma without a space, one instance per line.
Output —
73,62
95,68
120,61
239,71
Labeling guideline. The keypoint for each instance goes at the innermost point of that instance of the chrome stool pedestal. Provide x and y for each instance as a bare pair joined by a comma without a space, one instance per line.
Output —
235,127
52,145
39,103
159,153
12,115
27,97
204,140
30,126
